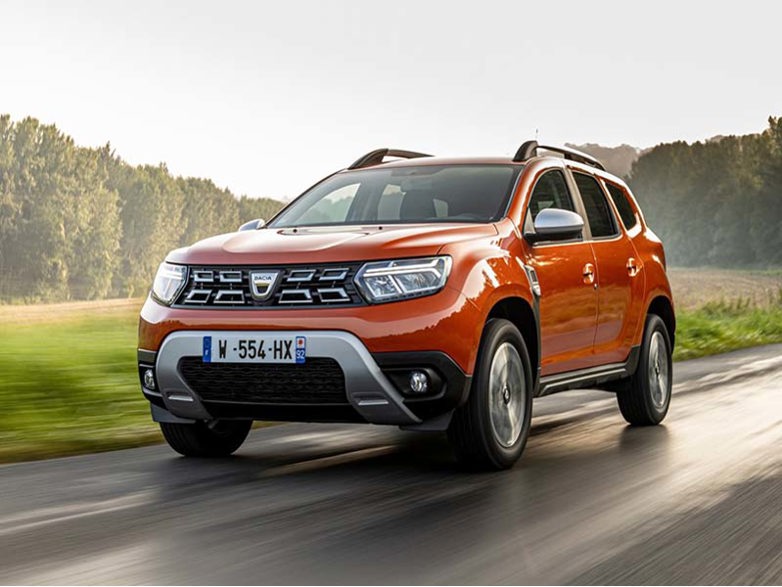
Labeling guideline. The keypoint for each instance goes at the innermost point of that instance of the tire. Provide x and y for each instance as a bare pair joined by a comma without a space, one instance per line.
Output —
490,430
218,438
645,398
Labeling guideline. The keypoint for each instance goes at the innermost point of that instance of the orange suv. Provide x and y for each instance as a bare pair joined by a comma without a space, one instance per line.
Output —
427,293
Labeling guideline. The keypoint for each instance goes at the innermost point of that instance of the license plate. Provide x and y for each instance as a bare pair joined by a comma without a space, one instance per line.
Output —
248,348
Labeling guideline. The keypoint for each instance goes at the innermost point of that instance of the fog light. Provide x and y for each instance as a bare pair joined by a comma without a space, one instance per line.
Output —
419,382
149,379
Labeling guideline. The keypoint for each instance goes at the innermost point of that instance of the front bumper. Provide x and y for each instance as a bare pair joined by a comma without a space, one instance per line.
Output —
373,384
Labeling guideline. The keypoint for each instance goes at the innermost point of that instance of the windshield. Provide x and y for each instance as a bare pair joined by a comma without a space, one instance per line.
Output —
404,195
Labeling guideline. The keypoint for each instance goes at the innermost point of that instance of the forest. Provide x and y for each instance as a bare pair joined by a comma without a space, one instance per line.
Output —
81,223
715,203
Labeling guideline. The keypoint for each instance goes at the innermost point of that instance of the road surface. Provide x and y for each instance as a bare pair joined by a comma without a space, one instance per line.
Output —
697,500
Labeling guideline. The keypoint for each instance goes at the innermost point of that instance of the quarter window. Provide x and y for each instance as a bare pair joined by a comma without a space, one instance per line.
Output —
623,205
601,220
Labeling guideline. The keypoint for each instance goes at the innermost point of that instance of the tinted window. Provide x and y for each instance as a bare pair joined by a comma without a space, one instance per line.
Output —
550,192
424,193
622,205
601,221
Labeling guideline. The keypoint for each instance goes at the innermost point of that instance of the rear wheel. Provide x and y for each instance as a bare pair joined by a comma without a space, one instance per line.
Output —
218,438
645,397
491,429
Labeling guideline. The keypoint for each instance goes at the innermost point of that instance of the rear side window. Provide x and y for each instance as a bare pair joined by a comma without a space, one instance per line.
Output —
601,220
550,192
623,205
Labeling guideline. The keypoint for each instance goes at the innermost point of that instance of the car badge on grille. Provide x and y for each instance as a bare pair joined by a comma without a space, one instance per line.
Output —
262,284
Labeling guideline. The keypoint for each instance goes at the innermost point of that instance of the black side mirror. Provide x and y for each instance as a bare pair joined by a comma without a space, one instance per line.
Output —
253,224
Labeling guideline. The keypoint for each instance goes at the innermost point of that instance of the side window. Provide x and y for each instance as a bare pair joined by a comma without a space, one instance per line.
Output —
601,220
623,205
333,208
550,192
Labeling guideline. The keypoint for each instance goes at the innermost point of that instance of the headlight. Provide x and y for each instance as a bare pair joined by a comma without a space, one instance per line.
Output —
169,281
389,281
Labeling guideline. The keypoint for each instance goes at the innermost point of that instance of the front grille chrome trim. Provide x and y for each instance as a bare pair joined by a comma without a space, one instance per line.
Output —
295,296
229,296
231,276
299,275
270,287
203,276
333,274
198,296
325,292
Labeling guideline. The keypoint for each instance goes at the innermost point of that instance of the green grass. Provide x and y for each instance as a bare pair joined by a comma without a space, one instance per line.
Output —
70,386
719,327
68,382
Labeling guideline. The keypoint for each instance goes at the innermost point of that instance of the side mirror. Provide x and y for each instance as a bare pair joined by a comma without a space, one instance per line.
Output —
554,224
253,224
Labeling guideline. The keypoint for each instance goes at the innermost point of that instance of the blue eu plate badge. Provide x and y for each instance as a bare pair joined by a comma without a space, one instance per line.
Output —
207,354
301,349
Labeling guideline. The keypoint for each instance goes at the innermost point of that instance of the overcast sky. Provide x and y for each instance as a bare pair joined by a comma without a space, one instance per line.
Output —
267,97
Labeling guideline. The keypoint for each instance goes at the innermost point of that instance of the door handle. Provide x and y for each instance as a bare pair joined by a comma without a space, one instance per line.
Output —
633,267
588,273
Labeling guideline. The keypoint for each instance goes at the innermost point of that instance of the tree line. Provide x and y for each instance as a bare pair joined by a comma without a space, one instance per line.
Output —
715,203
81,223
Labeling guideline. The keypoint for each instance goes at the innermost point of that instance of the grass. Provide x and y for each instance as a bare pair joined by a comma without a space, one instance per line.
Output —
68,381
69,386
723,326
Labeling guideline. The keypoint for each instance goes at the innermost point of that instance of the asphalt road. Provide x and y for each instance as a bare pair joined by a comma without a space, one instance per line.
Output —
697,500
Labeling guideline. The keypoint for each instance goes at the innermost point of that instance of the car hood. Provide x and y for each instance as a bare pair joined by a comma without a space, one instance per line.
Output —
284,246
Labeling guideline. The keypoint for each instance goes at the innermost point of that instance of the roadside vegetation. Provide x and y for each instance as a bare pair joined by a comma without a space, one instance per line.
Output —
721,310
68,381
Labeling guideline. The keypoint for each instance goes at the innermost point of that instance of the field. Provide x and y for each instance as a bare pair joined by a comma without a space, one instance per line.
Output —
68,381
695,288
722,310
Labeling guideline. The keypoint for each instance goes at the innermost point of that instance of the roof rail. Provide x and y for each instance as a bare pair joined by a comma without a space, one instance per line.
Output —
376,157
529,149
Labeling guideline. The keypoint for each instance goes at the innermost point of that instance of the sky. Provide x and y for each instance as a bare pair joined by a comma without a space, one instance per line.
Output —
265,98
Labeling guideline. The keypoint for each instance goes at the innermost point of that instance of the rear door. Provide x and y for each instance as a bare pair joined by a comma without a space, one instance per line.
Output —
566,273
619,278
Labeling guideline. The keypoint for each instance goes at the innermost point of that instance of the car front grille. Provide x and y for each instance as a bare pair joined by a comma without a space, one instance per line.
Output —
269,287
319,381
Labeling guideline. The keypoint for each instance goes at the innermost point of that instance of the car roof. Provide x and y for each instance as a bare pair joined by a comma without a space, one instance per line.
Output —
574,159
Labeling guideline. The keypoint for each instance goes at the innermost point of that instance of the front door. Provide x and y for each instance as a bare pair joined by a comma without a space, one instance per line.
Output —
566,272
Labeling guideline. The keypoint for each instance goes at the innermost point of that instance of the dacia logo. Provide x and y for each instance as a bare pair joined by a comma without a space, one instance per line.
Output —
262,284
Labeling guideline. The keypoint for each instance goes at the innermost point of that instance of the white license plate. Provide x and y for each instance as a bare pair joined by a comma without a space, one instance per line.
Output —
254,348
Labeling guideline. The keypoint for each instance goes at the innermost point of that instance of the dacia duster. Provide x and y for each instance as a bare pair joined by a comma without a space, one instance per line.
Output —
426,293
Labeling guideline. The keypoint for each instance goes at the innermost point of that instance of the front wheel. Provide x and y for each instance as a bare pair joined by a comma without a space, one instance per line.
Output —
491,429
645,398
218,438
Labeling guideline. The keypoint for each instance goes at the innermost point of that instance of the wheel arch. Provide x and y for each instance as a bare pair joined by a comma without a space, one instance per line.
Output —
663,307
518,311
